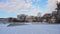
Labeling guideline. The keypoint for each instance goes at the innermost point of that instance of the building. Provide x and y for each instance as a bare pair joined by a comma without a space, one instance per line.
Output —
29,18
47,17
21,17
3,20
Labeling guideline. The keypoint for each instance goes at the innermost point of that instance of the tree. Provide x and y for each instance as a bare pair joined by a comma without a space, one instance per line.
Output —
58,13
10,19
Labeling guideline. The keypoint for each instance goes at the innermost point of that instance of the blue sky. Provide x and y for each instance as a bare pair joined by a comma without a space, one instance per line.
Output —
11,8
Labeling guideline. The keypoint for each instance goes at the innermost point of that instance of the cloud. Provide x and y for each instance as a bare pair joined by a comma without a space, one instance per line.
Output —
12,5
21,6
51,5
58,0
26,6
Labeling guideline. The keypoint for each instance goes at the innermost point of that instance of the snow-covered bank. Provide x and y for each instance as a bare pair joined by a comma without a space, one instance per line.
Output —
31,29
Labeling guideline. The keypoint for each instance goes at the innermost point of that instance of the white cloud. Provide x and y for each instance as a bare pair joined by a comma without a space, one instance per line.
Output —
58,0
12,5
51,5
20,6
25,6
37,0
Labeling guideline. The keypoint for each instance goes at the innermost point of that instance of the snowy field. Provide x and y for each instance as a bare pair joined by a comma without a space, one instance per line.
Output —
30,29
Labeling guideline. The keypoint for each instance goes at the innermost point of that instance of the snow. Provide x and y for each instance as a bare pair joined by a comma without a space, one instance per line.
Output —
30,29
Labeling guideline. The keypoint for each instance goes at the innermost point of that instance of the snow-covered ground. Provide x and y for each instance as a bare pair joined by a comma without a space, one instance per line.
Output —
30,29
